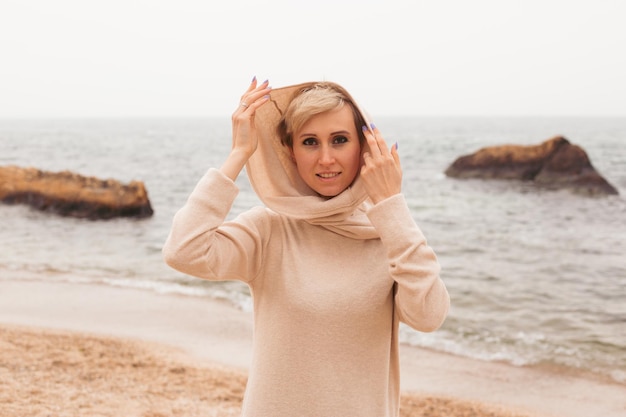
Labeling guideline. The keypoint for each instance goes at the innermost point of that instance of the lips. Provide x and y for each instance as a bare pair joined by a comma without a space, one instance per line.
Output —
328,175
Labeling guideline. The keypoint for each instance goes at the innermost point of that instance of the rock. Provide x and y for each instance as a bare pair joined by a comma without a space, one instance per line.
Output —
74,195
554,164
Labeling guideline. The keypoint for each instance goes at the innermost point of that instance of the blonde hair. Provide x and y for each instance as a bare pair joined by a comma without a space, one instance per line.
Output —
313,99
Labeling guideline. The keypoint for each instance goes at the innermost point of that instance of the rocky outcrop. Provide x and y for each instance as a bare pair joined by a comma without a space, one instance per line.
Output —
74,195
555,163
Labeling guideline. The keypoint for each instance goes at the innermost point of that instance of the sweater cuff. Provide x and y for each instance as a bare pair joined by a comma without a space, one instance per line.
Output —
394,222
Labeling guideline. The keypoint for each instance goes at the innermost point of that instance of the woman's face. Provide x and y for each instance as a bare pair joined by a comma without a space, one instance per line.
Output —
327,151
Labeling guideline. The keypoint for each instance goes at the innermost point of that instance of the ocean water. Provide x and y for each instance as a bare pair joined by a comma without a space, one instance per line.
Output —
536,277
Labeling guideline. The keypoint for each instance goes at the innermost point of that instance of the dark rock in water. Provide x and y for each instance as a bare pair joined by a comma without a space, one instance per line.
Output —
555,163
70,194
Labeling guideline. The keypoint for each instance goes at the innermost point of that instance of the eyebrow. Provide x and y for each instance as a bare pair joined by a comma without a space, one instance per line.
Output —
343,132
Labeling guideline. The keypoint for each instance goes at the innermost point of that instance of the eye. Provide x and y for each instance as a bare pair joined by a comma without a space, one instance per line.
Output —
340,139
309,142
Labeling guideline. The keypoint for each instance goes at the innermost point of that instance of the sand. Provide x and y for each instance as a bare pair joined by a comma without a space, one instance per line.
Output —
88,350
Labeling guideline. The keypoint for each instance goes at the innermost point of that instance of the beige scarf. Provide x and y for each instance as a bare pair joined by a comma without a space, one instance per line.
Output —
275,179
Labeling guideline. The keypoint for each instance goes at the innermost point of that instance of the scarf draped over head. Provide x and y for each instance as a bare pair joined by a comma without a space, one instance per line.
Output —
276,181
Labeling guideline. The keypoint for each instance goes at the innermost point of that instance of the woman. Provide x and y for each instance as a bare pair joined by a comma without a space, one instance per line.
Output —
334,261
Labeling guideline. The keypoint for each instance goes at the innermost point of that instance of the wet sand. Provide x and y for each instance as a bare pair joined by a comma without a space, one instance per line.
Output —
89,350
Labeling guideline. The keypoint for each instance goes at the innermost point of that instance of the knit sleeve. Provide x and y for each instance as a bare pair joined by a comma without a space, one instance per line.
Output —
421,298
202,244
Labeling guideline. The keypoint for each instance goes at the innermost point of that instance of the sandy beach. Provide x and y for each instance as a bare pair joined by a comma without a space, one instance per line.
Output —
90,350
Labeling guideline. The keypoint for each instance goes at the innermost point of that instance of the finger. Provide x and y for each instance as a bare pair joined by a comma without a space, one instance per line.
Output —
395,155
372,143
258,103
254,94
243,104
382,144
251,87
253,106
367,162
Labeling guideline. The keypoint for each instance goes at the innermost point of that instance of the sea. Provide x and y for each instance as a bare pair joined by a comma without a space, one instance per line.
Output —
536,277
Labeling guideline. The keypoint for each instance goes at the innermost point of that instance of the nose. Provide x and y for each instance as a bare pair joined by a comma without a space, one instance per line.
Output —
326,156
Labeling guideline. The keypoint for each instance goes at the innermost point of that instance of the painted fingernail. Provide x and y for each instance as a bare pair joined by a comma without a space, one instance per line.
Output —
396,145
372,126
253,79
364,128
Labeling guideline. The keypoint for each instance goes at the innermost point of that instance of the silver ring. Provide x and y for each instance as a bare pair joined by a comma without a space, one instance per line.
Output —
244,104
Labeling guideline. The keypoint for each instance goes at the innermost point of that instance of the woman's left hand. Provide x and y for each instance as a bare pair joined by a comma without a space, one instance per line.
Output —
381,170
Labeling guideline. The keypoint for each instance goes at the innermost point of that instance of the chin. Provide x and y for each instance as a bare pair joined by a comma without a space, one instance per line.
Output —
328,194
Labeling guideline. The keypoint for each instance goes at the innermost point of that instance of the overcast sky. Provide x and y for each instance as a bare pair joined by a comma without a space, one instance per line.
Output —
110,58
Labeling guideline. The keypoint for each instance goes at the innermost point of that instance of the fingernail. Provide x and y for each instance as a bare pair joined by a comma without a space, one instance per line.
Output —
266,96
253,79
364,128
372,126
396,145
266,81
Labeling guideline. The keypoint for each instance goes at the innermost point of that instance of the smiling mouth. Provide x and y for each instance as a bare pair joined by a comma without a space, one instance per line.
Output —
328,175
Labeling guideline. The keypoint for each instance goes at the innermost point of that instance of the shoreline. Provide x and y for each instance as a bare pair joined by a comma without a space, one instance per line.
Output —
214,334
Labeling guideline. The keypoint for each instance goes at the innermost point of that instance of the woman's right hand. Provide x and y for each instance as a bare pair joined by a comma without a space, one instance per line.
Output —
245,139
244,131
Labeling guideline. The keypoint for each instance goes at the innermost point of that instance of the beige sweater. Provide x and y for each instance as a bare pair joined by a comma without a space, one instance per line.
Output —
326,306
